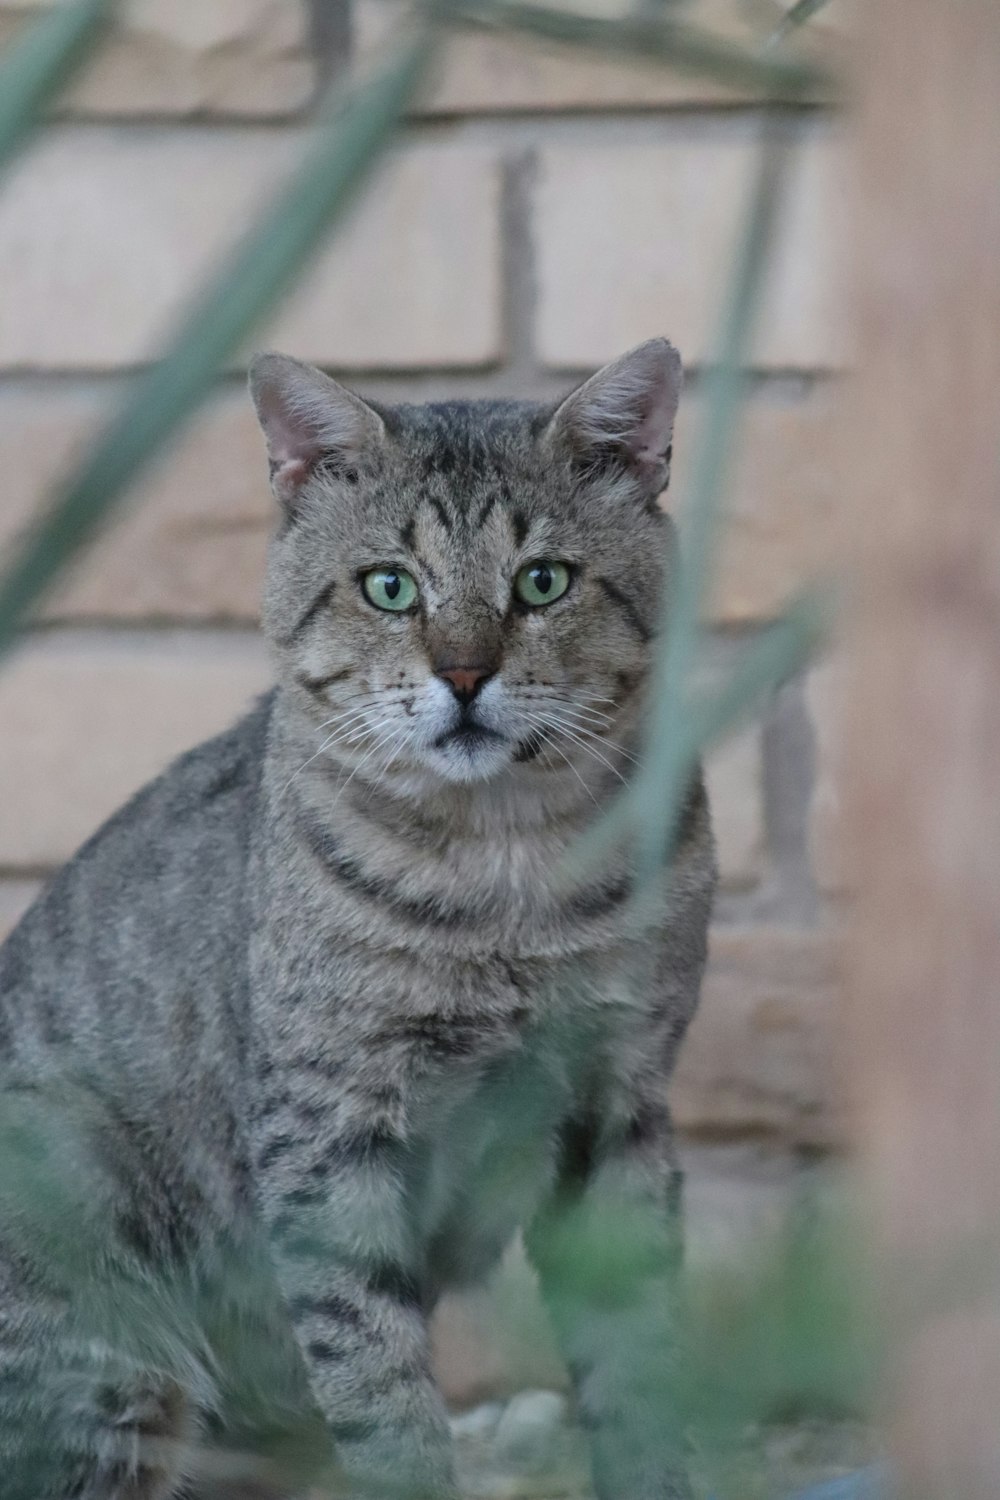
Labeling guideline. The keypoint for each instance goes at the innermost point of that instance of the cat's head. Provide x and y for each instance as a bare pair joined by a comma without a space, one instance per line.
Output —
473,586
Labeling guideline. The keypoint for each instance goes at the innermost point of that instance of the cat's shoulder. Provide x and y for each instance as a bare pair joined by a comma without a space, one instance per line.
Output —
222,770
188,822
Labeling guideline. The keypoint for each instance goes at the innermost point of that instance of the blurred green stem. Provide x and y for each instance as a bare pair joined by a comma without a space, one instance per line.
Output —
776,654
648,809
797,15
243,290
41,63
650,38
684,601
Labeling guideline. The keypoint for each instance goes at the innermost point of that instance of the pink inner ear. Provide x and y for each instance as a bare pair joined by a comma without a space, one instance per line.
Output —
292,438
290,476
654,432
293,443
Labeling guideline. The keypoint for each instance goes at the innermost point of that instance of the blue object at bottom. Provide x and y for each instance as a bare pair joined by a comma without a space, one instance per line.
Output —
866,1484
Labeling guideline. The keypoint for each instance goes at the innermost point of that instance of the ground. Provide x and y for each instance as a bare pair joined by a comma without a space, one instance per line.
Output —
522,1440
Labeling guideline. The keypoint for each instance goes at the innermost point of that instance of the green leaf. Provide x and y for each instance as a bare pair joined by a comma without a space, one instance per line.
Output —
797,15
684,602
776,654
649,807
40,64
649,38
243,291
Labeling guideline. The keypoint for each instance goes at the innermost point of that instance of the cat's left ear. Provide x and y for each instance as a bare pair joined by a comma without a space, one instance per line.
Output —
624,416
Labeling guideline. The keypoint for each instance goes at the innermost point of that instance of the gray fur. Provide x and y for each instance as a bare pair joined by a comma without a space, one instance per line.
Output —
319,978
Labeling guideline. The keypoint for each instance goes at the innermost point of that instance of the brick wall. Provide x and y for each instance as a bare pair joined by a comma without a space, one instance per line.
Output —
544,211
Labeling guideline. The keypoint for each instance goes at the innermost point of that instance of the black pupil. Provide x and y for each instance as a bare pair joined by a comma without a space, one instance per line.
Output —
541,577
392,585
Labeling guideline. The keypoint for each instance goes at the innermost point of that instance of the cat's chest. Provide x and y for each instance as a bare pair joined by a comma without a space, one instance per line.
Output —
492,1158
465,897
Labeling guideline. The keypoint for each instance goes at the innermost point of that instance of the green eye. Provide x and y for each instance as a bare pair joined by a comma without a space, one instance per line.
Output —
541,583
390,588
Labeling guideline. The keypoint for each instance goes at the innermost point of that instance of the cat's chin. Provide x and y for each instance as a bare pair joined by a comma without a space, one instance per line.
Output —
471,760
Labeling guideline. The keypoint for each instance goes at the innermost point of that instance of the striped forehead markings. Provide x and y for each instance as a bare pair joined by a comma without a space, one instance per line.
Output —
316,606
408,534
447,521
626,608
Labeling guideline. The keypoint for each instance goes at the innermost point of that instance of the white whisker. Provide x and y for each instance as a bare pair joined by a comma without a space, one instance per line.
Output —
403,744
380,744
589,713
364,703
578,739
585,729
344,719
546,738
561,727
344,735
579,708
588,734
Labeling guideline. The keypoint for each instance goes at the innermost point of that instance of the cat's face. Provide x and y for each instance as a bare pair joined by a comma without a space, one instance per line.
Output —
468,588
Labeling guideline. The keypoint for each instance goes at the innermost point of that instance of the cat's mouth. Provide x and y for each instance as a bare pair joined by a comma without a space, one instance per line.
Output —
470,750
469,734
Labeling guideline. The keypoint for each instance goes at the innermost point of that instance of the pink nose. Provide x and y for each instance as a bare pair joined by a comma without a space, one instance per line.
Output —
465,682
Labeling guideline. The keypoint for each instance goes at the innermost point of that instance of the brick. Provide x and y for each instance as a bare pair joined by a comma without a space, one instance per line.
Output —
107,234
190,545
15,898
734,774
193,57
89,719
781,502
760,1056
503,73
638,239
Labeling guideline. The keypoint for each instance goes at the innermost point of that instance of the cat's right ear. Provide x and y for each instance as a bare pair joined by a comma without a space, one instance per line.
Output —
307,418
622,418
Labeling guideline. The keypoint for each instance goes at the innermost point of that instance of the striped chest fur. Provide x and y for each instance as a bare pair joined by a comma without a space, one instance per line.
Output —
437,991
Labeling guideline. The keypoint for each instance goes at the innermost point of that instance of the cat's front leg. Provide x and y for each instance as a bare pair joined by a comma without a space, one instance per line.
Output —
351,1280
607,1249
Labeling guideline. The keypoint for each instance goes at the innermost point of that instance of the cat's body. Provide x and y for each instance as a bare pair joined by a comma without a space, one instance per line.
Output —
340,994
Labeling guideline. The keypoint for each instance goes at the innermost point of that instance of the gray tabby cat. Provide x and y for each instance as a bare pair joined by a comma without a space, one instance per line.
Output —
319,977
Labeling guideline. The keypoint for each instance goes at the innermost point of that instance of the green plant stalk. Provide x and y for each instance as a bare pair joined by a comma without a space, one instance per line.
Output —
40,64
778,653
650,38
775,655
766,664
801,12
243,290
648,808
684,602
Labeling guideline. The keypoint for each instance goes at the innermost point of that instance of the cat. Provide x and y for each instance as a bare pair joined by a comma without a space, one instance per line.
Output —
315,1024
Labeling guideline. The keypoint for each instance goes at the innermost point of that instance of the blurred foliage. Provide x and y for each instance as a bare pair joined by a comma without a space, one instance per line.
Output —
650,37
40,66
357,124
797,15
788,1330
